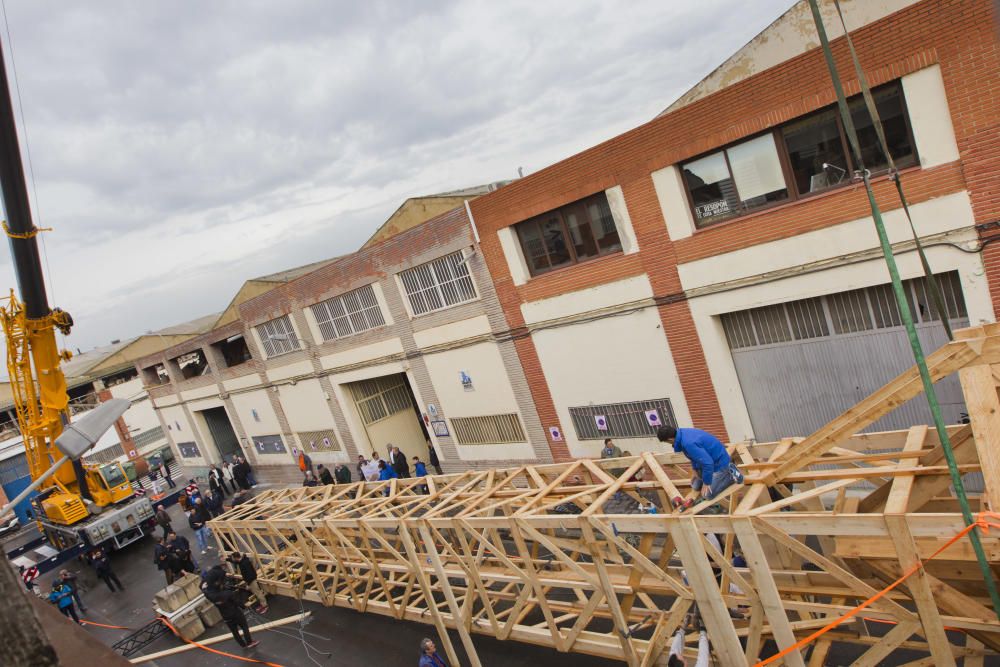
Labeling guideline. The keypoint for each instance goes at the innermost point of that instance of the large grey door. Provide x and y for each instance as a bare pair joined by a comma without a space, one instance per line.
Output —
802,363
222,431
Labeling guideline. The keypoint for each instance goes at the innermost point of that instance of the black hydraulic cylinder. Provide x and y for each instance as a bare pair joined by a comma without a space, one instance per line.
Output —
27,263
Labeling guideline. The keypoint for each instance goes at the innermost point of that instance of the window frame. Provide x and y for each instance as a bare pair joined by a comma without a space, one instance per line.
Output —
365,313
538,220
791,185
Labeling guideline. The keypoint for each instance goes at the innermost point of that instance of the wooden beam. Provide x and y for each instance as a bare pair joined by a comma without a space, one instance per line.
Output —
983,404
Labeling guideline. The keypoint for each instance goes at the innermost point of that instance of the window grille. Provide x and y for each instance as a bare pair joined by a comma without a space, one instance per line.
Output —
277,336
488,430
348,314
623,420
438,284
842,313
381,397
148,437
319,441
188,449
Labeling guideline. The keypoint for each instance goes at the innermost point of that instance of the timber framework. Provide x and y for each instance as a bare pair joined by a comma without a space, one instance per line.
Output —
568,556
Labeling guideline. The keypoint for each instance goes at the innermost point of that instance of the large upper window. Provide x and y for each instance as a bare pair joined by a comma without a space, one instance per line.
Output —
438,284
569,234
277,336
349,313
802,157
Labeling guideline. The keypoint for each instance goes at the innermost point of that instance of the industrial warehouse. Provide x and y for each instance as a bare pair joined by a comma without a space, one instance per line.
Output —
478,426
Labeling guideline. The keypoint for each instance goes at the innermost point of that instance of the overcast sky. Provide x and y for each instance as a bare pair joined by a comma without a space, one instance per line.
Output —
180,148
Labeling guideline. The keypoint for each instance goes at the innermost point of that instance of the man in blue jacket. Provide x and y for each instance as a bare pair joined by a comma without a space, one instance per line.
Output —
713,469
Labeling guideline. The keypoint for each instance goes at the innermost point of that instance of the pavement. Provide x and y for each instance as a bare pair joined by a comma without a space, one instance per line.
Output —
349,637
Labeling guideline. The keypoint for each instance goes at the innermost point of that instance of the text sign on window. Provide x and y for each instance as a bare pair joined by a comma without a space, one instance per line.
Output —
269,444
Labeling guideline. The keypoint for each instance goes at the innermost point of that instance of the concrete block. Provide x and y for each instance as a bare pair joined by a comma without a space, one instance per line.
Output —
189,626
171,598
191,583
209,614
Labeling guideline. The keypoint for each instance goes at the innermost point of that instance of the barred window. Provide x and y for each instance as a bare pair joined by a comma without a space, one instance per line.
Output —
277,336
319,441
148,437
348,314
621,420
381,397
842,313
438,284
488,430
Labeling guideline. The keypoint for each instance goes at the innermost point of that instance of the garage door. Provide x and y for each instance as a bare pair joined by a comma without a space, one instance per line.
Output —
802,363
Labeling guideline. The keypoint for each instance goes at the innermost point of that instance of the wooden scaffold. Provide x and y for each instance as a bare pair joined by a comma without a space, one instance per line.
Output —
570,556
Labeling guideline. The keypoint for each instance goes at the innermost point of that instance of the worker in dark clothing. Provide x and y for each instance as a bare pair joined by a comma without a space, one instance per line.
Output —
163,520
102,565
432,457
324,474
399,463
165,560
225,600
342,474
181,550
714,470
245,568
68,578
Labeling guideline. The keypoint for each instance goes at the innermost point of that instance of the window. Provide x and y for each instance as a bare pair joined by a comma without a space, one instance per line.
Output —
381,397
349,313
188,449
488,430
570,234
438,284
193,364
234,350
148,437
319,441
277,336
842,313
738,179
621,420
805,156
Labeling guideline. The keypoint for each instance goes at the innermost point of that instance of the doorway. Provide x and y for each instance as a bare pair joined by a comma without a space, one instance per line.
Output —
388,410
221,430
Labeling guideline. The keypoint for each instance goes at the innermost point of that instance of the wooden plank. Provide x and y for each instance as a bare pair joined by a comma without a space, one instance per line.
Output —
874,656
983,405
899,492
920,591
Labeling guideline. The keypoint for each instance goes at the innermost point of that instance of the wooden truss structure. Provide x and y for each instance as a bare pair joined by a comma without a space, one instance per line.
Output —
569,556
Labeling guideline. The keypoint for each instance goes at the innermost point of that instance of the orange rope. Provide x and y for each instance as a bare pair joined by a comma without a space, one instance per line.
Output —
212,650
982,523
102,625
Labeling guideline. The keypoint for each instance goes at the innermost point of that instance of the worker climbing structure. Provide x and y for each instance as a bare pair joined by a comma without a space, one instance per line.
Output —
852,541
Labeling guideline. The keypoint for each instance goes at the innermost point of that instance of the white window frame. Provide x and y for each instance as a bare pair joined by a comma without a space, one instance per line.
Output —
439,284
348,314
278,326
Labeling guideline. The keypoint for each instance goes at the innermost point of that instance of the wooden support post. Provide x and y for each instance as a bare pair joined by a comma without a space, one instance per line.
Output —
981,399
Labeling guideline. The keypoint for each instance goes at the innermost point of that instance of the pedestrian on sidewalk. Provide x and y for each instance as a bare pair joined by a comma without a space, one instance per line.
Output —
216,482
181,550
227,475
102,565
429,657
243,565
68,578
165,560
342,474
714,470
192,489
362,462
399,463
420,470
62,597
198,519
305,463
251,479
213,502
163,520
165,473
432,457
324,474
240,471
309,480
225,601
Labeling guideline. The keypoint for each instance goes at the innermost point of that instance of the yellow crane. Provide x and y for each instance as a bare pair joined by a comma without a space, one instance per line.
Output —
79,502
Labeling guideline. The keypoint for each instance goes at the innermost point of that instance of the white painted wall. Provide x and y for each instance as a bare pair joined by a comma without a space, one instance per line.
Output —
295,369
612,360
670,192
927,104
140,416
245,404
512,252
306,409
447,333
181,430
628,290
363,353
623,221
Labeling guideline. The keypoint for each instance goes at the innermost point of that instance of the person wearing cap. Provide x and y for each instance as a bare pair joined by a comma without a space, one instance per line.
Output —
714,470
68,578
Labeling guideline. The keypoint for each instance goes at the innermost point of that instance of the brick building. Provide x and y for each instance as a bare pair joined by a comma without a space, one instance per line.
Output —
715,266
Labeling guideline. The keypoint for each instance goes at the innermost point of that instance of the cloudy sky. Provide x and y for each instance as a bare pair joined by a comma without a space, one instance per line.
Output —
180,148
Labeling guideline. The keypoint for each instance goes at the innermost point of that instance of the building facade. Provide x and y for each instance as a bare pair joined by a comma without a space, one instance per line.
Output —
715,267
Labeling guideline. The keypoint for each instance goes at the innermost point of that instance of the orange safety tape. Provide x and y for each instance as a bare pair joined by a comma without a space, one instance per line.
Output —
212,650
981,522
102,625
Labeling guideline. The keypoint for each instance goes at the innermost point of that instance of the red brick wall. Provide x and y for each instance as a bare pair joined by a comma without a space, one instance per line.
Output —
956,34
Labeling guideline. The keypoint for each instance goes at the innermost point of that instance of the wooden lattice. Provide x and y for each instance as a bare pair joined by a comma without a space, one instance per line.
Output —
568,555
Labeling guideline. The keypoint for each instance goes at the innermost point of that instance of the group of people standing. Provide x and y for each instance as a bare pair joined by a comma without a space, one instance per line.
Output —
65,593
374,469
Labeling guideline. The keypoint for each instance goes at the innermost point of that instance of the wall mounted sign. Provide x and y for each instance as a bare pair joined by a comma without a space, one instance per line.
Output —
440,428
432,410
188,449
269,444
653,418
466,381
602,422
555,434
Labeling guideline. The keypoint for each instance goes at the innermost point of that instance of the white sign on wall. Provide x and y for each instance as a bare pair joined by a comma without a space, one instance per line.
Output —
602,422
653,417
555,433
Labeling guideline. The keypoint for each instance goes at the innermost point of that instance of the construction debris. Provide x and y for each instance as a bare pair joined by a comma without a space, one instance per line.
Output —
570,556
